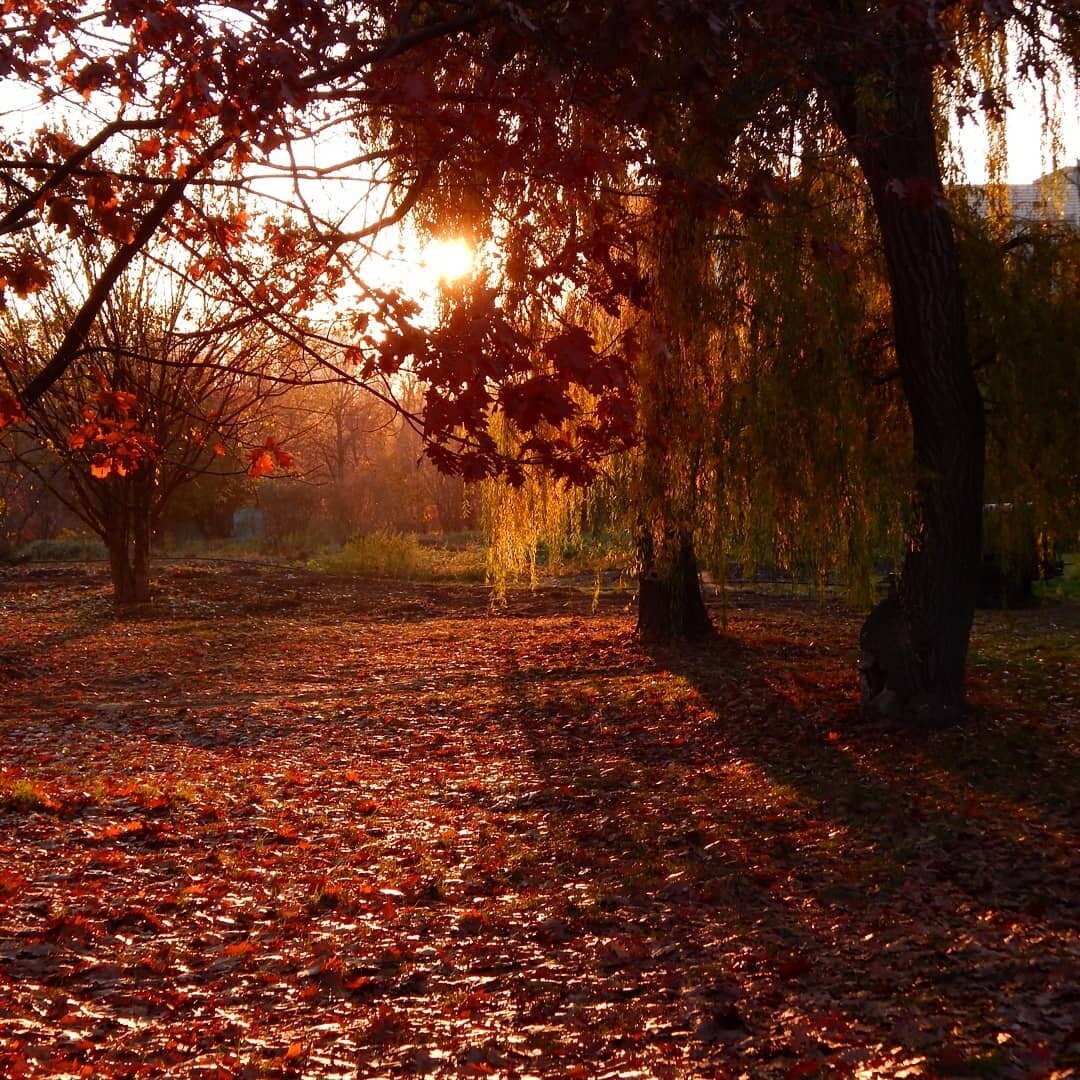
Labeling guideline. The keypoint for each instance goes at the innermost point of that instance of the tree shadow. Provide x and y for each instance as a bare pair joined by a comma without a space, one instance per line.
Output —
986,789
738,802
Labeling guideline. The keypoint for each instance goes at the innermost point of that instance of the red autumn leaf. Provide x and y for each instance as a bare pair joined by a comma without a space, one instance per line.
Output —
63,216
25,276
11,882
572,353
262,464
541,399
264,459
100,193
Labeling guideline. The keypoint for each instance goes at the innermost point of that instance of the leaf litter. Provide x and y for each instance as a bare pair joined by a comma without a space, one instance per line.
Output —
285,825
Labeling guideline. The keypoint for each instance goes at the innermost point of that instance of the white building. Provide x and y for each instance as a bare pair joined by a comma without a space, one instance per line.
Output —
1054,197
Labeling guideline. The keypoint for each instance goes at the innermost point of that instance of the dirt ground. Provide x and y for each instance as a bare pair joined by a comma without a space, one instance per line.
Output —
280,824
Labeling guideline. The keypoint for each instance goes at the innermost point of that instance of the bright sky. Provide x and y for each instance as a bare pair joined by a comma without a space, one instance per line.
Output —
1027,157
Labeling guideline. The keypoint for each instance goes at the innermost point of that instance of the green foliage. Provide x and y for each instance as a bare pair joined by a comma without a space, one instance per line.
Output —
770,376
542,522
812,422
1023,279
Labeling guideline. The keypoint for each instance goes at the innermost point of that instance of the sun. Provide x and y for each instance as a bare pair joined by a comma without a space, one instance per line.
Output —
449,259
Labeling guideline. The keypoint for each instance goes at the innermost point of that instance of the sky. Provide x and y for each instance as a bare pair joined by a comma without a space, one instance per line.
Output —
1027,160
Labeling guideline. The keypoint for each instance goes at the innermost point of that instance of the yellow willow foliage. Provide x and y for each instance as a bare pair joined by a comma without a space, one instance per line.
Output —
544,514
980,91
772,425
674,380
808,442
518,521
989,56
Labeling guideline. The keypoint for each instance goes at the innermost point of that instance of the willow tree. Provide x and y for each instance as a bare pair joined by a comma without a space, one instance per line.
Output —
1023,280
674,395
871,73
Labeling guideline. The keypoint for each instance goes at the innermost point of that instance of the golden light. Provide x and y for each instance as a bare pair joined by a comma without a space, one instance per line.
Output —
449,259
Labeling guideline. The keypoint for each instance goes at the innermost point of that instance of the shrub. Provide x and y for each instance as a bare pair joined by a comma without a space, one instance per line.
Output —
397,555
65,549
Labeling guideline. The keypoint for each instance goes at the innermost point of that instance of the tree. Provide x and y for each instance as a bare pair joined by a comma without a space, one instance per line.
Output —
521,118
198,94
674,393
162,390
868,71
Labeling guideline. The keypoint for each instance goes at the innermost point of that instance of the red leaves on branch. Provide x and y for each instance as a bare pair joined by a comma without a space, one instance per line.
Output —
540,399
575,359
264,459
24,275
111,434
100,193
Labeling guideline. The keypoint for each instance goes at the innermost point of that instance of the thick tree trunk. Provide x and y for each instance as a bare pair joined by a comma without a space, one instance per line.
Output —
915,641
670,604
120,568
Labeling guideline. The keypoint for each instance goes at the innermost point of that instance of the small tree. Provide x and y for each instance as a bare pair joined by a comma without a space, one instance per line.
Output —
165,387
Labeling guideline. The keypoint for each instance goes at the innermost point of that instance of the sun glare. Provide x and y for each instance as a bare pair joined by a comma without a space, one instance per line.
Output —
449,259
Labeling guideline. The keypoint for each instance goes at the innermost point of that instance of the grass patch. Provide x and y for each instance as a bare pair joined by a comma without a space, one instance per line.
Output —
403,556
64,549
23,796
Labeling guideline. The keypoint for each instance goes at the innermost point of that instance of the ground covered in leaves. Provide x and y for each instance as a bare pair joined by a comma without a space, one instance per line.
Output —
287,825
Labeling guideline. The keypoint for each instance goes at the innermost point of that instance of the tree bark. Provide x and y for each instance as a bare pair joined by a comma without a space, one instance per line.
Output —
915,641
670,604
127,538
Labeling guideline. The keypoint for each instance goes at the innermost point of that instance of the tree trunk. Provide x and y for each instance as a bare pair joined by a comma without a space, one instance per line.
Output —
120,569
915,641
127,538
670,604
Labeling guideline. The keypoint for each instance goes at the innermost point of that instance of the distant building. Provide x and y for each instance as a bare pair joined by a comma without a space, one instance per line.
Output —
248,523
1054,197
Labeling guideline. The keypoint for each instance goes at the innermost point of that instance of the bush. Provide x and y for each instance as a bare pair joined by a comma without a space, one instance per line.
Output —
396,555
64,549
